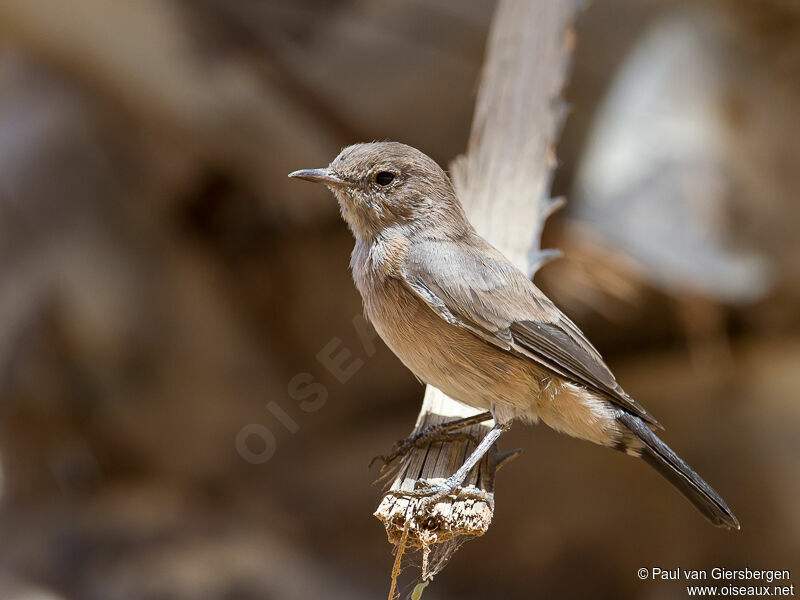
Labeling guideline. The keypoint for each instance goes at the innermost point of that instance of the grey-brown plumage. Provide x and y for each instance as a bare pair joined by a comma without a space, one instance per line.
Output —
464,319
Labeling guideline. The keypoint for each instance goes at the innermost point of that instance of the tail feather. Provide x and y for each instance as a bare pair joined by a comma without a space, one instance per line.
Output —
671,466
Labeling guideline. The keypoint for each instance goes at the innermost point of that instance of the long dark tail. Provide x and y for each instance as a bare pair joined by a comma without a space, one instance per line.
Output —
660,456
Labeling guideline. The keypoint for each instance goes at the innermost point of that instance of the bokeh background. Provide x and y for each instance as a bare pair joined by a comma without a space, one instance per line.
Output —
163,285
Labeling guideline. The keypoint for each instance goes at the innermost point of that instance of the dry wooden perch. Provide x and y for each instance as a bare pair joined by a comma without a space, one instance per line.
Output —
503,181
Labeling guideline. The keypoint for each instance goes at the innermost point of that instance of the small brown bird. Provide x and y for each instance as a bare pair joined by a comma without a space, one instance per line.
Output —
467,321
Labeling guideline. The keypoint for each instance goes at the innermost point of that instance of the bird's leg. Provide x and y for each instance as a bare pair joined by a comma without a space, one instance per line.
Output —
452,483
440,432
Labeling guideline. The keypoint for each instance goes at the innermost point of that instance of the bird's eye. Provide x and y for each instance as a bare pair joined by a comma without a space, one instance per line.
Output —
384,178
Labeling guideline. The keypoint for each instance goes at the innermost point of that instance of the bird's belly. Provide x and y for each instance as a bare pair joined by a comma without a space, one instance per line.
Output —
452,359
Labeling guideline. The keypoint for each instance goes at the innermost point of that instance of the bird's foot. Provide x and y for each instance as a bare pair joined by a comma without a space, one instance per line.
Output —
420,440
439,433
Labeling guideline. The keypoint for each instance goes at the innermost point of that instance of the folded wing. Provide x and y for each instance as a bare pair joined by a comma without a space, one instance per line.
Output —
474,286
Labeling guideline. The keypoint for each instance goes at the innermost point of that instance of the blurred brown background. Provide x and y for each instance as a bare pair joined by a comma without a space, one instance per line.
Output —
163,286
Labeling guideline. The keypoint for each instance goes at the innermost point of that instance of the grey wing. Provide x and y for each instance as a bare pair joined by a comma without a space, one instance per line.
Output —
473,286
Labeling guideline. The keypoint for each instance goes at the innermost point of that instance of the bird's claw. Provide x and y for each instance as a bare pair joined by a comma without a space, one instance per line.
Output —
429,435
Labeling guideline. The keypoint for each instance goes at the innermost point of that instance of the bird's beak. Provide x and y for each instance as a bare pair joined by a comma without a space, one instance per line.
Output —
325,176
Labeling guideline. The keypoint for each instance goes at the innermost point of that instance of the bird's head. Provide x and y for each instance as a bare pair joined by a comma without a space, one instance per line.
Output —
382,185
